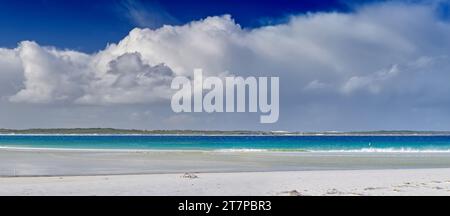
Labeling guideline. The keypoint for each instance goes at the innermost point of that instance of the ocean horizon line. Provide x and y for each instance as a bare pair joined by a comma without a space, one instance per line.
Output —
181,132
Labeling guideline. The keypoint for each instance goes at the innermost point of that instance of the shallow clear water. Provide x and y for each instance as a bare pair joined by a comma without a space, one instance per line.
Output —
234,143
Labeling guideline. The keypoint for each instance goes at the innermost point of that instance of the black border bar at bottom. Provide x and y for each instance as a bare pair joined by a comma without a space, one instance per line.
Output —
167,205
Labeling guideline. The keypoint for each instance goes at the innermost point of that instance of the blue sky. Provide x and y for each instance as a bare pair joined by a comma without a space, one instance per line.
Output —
343,65
87,25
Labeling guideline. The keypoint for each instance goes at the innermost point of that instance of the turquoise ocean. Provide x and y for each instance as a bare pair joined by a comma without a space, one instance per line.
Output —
232,143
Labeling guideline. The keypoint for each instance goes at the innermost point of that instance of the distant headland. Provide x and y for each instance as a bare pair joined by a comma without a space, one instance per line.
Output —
114,131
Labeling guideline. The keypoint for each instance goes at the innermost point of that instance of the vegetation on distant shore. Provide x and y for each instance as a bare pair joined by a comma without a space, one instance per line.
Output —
119,131
208,132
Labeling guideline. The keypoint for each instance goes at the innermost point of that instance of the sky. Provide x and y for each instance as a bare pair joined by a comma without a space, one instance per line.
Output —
87,26
343,65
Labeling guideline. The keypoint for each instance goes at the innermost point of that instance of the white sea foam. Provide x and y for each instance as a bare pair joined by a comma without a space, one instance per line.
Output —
95,149
362,150
231,150
241,150
388,150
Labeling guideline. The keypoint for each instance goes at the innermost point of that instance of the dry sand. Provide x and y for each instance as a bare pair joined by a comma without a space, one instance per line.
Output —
328,183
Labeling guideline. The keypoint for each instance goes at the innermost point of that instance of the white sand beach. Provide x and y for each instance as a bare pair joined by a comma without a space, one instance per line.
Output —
295,183
75,172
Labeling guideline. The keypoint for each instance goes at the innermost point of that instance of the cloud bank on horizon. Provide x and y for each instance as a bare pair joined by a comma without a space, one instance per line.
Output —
383,66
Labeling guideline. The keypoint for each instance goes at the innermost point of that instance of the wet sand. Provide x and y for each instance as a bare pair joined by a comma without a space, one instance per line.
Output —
32,162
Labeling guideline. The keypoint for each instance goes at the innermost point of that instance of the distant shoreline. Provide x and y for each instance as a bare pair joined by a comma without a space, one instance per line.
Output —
195,134
133,132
